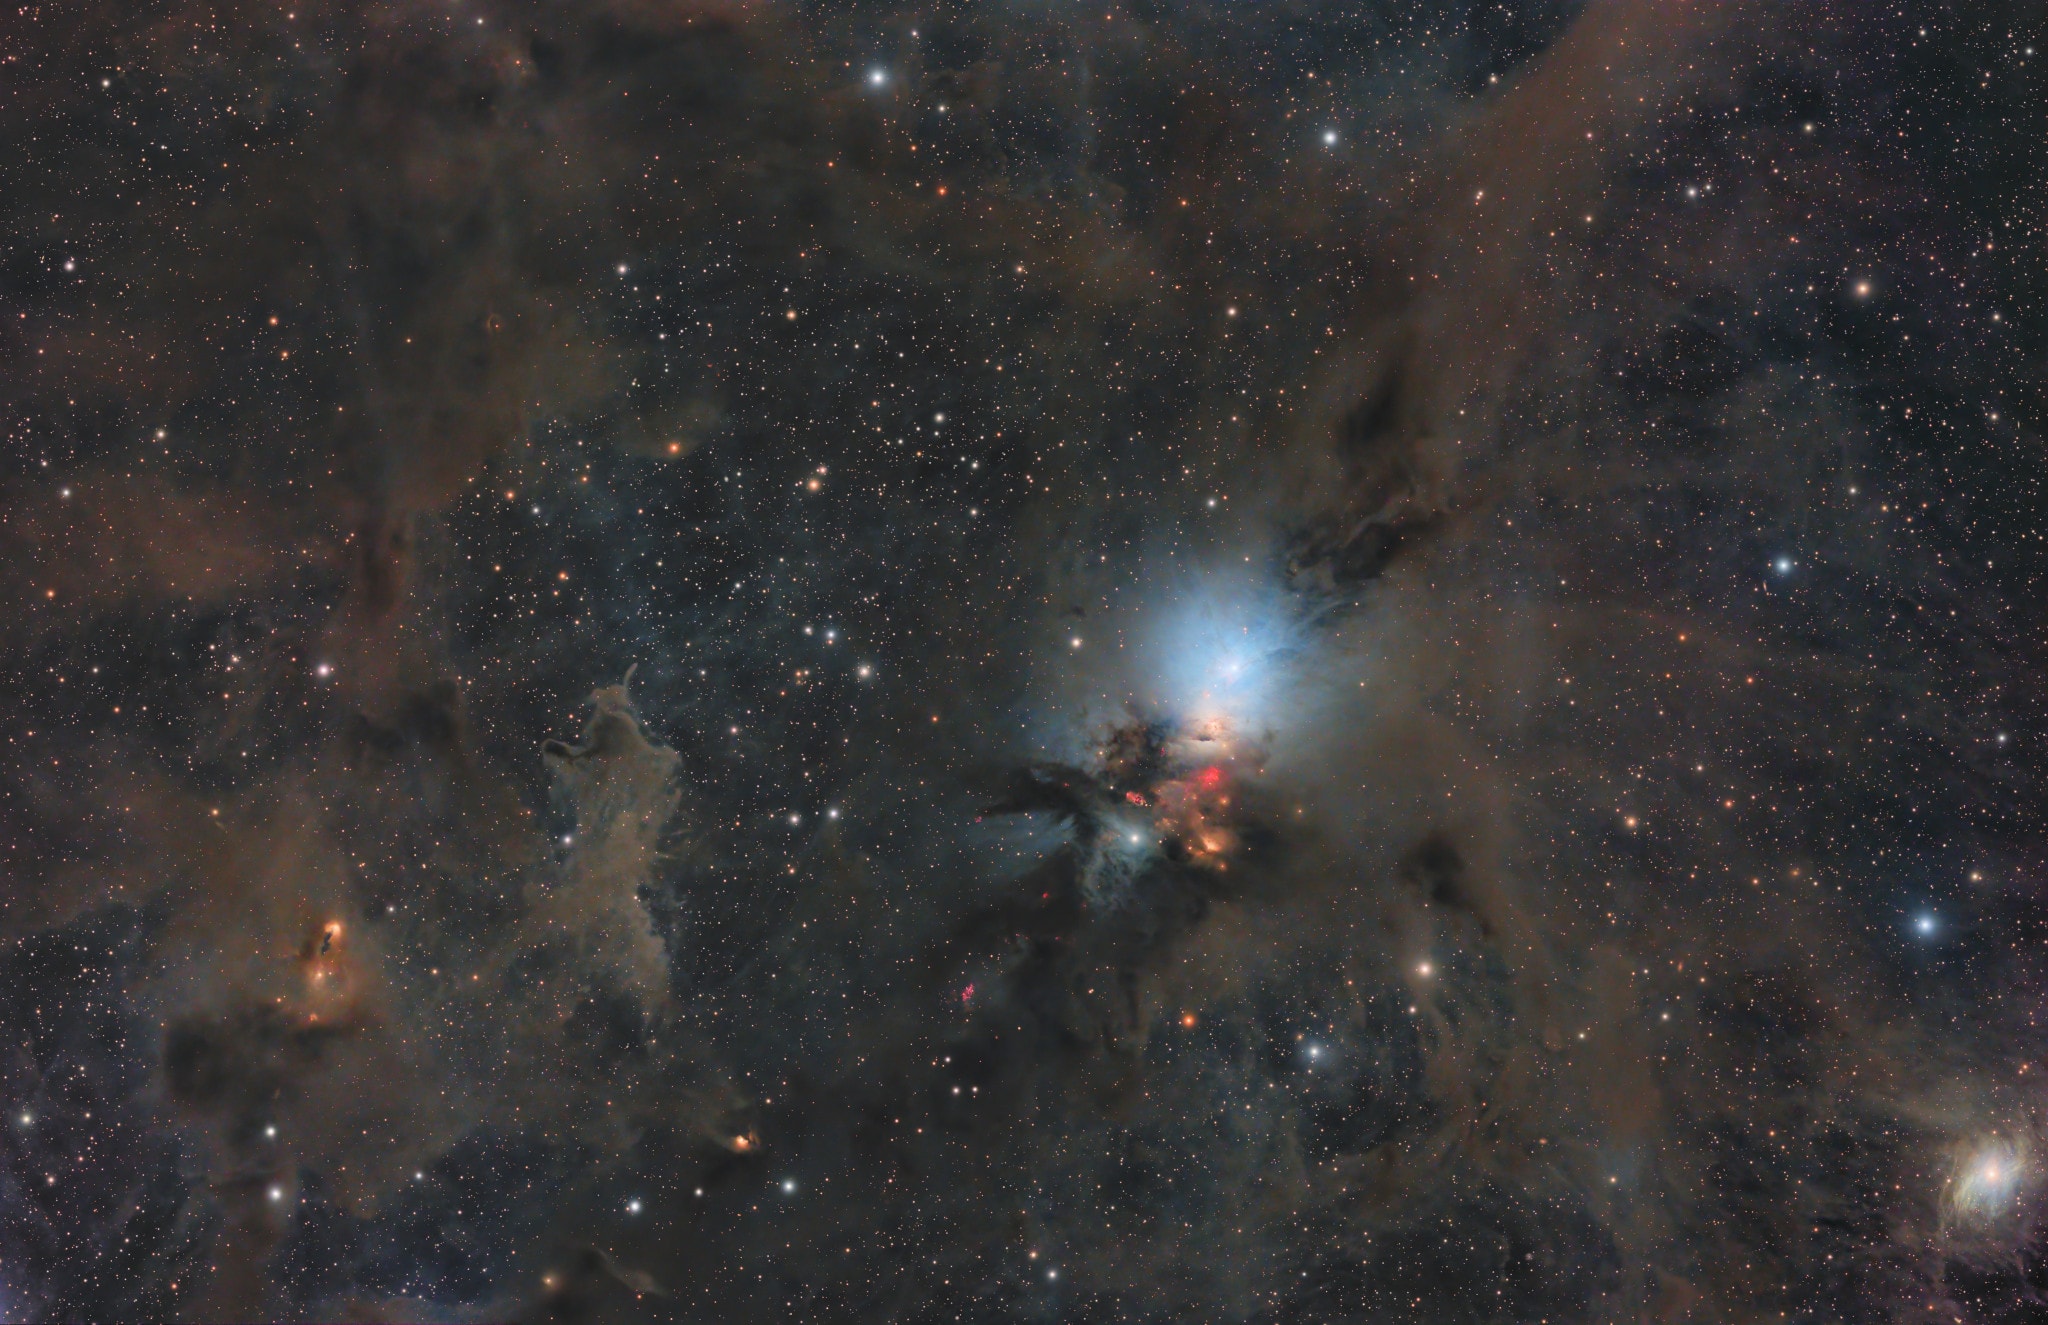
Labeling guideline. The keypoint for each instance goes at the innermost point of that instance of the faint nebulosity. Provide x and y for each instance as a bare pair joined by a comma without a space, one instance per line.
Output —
1177,660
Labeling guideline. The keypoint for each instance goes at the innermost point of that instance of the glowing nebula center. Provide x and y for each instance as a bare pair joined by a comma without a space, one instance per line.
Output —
1221,654
1988,1180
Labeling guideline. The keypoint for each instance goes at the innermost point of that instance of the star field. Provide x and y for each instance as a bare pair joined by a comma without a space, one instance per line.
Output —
1294,662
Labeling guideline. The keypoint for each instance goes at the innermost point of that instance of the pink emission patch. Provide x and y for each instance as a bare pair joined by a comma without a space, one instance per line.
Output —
1210,778
967,994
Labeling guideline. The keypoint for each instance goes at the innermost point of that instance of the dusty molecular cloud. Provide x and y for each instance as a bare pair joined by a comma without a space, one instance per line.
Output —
1313,662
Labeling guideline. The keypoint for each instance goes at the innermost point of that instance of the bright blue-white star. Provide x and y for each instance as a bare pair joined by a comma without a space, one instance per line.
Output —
1222,652
1988,1178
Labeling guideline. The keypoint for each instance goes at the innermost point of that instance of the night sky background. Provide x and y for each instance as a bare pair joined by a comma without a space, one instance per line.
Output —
1159,660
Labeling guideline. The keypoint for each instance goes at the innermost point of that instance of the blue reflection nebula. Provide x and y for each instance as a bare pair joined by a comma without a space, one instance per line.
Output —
1223,651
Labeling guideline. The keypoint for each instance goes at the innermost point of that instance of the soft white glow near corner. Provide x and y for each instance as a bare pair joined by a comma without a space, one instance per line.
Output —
1988,1179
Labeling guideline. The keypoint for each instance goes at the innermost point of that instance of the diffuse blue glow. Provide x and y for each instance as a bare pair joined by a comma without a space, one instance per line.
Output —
1224,651
1987,1179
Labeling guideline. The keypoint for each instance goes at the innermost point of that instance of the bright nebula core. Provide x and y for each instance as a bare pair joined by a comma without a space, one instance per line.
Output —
1988,1181
1222,653
1315,662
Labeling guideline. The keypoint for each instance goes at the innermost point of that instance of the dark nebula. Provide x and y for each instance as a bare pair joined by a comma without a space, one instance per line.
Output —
1178,660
